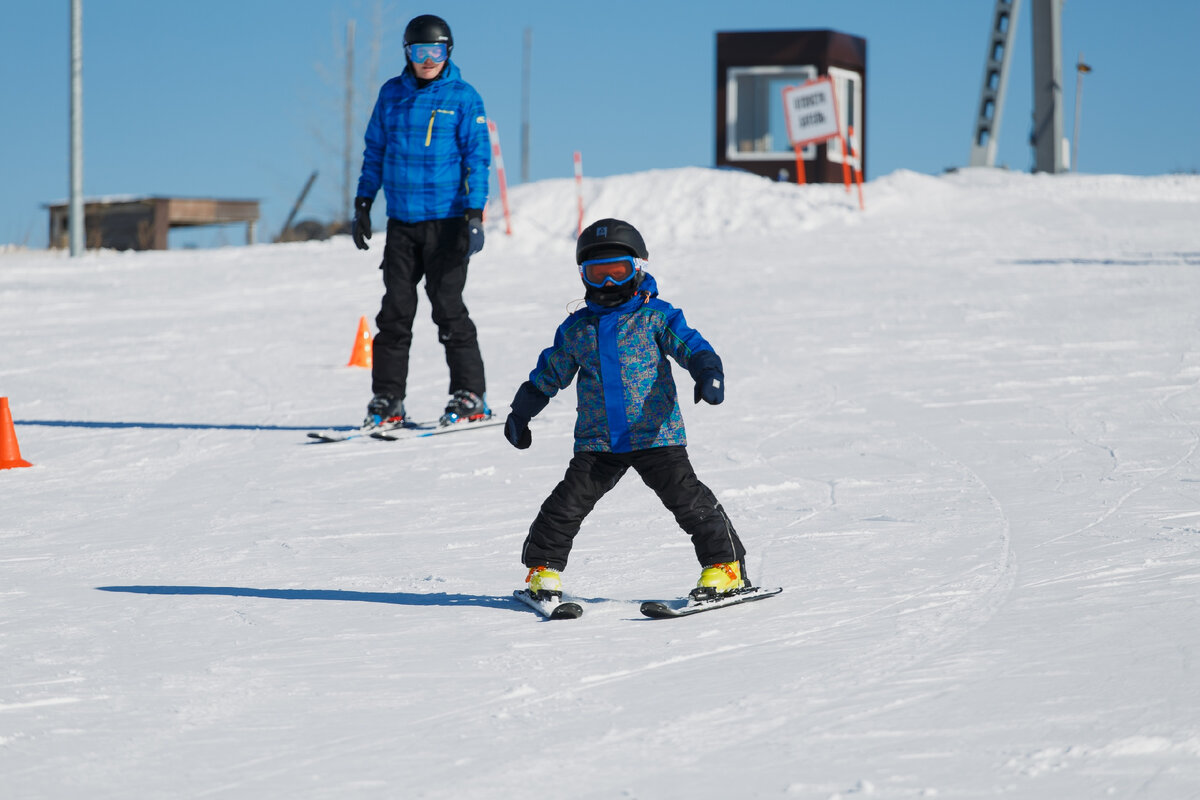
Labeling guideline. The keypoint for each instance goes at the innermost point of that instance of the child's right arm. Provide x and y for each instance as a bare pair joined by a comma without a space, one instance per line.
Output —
525,406
555,370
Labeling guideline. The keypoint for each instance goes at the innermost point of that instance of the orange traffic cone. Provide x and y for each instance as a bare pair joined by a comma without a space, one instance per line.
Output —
361,355
10,453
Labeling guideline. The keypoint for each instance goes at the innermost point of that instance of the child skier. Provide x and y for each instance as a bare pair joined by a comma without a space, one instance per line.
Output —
628,412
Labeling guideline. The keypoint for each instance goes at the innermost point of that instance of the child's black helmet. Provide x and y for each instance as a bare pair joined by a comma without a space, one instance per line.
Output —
428,29
607,234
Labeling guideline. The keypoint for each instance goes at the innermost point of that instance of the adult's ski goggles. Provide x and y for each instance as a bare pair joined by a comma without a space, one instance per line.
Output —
609,271
420,53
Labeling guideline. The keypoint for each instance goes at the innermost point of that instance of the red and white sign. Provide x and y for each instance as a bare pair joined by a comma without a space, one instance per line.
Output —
811,112
498,163
579,189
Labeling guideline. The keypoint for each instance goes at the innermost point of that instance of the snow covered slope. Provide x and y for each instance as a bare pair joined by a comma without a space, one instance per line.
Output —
961,430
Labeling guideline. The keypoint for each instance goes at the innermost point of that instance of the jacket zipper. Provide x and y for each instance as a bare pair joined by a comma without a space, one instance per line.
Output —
429,131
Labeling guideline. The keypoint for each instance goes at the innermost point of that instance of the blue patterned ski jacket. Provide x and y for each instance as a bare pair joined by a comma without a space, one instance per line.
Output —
626,393
427,147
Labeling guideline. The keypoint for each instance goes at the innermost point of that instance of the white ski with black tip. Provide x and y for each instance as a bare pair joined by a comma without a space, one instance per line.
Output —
405,430
423,429
344,434
550,609
666,609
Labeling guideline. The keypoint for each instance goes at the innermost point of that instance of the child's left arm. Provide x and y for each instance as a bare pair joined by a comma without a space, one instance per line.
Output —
709,374
696,355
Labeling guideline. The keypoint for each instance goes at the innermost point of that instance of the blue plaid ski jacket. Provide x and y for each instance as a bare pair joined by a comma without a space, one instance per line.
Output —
427,147
626,393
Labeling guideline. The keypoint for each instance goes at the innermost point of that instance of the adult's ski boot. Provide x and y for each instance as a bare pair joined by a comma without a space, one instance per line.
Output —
464,406
384,412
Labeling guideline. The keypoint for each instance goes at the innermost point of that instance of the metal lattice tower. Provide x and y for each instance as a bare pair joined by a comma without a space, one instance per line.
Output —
1049,149
995,82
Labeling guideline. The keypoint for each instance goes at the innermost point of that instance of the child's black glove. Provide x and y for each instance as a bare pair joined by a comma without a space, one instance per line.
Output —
516,430
709,374
525,406
474,231
362,222
711,388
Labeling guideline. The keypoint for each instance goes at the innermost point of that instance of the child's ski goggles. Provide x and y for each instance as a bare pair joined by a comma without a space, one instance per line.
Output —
420,53
615,271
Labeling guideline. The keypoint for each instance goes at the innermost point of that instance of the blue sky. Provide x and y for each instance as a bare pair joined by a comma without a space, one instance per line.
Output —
244,99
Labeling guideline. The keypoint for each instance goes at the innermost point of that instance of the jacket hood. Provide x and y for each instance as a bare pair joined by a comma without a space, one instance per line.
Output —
646,289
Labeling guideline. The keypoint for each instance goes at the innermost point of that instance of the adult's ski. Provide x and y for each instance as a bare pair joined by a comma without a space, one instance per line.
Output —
556,608
666,609
342,434
423,429
406,430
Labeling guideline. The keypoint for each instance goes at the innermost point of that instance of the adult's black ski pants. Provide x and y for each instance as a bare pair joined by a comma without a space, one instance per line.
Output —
435,250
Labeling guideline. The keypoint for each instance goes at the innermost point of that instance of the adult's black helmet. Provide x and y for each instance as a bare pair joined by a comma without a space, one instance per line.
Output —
609,235
428,29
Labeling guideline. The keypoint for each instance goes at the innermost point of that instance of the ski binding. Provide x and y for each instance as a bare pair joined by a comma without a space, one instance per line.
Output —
554,608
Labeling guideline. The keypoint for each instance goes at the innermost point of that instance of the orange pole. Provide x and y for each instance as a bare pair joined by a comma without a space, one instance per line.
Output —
857,171
845,164
799,165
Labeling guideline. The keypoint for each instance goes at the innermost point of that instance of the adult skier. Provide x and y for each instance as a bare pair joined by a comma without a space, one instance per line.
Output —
427,146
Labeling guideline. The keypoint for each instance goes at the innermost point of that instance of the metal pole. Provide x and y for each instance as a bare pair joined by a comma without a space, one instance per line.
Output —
525,70
1080,69
1047,139
75,219
349,129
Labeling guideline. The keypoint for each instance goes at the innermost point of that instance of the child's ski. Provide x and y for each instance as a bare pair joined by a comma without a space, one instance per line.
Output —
550,609
665,609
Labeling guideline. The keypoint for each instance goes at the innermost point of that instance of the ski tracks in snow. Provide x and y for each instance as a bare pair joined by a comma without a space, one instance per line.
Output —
890,550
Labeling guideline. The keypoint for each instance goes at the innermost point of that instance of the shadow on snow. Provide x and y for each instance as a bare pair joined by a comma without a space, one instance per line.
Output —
188,426
394,598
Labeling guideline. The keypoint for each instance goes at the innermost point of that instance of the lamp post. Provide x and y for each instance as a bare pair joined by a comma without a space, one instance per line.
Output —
1081,69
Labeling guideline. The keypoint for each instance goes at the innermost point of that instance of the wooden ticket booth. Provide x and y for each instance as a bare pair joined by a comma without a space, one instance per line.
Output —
753,69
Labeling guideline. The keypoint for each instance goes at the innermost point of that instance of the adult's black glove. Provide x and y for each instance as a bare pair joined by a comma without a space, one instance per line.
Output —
516,430
362,222
475,232
711,388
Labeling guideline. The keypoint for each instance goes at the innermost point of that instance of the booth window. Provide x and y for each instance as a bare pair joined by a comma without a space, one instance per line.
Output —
847,85
756,127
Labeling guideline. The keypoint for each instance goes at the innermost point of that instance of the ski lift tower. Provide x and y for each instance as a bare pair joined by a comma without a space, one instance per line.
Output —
1047,138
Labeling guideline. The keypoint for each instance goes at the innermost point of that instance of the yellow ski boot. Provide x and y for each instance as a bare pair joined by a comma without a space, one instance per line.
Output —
717,580
544,583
